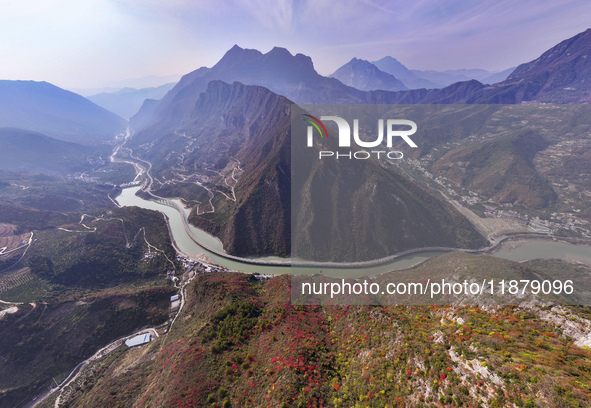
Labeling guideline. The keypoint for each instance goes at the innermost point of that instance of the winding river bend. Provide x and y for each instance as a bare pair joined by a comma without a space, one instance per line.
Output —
188,239
181,231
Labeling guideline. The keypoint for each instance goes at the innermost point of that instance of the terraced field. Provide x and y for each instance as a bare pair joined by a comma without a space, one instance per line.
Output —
15,278
12,249
6,230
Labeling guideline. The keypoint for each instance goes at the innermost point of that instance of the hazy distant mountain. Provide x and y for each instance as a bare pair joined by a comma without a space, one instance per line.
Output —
469,73
364,75
292,76
152,81
410,79
285,74
146,114
416,79
560,75
45,108
30,152
448,77
498,77
127,101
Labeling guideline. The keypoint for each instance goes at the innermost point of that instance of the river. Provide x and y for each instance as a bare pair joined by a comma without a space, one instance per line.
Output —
188,245
514,250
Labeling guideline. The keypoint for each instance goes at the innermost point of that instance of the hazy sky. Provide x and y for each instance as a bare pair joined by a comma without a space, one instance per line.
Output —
91,43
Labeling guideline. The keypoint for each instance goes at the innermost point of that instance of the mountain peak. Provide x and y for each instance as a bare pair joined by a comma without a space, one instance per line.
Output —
289,75
363,75
279,55
390,61
280,51
361,62
394,67
237,55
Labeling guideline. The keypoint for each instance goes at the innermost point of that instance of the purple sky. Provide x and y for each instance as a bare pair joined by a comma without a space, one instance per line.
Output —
93,43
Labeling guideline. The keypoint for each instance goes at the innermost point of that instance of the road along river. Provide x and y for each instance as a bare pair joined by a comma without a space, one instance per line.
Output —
193,241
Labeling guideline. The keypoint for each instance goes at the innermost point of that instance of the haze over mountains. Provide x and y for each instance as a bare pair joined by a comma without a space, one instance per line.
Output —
390,75
559,76
151,81
45,108
411,80
127,101
295,78
285,74
416,79
292,76
31,152
448,77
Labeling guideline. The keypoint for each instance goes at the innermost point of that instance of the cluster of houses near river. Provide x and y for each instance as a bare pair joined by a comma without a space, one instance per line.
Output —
191,265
